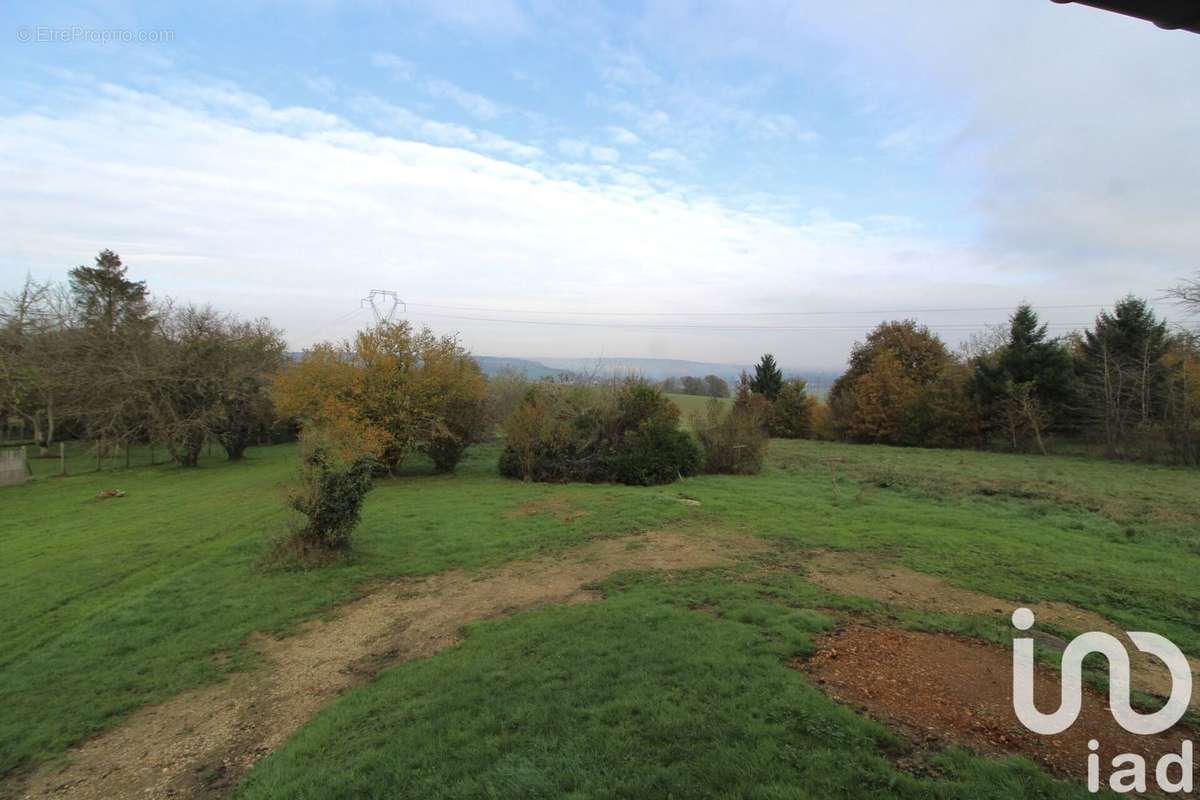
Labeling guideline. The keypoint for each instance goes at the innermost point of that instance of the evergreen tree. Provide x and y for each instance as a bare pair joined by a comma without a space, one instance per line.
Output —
791,414
1121,361
768,378
1028,384
106,299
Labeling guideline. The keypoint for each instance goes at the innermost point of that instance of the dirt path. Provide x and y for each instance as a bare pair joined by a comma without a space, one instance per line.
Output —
860,574
200,743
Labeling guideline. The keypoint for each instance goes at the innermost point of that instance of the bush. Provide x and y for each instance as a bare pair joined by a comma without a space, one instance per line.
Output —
330,496
654,453
733,441
791,413
625,432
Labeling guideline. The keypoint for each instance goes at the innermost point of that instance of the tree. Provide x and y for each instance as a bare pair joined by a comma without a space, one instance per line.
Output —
106,298
33,362
768,378
716,386
1121,363
896,387
1182,405
791,414
1187,295
181,381
206,375
1025,386
391,391
252,355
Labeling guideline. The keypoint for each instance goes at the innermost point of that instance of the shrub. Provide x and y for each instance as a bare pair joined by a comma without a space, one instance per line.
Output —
654,453
733,441
625,432
791,413
330,495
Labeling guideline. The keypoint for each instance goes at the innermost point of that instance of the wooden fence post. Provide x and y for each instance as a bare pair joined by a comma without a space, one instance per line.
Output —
62,458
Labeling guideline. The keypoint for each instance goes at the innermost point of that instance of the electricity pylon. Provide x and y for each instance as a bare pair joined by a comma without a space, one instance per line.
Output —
384,303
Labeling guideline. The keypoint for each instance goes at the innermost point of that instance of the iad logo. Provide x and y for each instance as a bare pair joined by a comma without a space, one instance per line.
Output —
1071,700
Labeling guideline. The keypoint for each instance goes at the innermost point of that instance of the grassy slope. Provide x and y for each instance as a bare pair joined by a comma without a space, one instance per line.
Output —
690,404
638,697
122,601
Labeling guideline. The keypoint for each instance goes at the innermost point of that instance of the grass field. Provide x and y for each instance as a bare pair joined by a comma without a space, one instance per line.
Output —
125,602
690,404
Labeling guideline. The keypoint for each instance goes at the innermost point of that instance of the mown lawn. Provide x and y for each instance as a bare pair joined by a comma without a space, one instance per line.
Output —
122,602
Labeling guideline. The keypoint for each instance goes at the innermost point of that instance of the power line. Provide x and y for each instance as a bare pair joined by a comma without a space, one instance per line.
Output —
964,309
669,326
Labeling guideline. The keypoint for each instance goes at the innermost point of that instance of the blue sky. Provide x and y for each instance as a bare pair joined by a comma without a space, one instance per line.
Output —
696,160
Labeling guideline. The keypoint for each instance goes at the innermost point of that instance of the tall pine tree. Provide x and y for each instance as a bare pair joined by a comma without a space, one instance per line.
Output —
768,378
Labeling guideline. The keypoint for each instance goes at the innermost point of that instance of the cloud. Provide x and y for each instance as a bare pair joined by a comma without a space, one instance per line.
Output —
470,102
622,135
399,120
577,148
295,213
1070,125
667,155
491,18
402,70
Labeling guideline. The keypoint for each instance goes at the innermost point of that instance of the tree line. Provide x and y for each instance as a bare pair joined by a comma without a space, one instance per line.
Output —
708,386
1128,386
95,358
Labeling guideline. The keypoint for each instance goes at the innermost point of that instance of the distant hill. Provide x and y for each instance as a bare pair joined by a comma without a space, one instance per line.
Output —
534,370
655,369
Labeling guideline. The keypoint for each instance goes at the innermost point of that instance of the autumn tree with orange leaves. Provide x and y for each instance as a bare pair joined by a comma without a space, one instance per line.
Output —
902,387
391,392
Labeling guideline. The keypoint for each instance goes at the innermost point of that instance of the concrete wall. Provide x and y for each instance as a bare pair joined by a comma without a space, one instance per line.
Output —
12,466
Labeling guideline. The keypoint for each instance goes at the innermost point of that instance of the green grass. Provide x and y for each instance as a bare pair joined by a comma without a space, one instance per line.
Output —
122,602
690,404
636,697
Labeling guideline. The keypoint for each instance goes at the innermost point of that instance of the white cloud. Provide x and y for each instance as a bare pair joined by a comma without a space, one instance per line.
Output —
579,149
403,70
622,135
667,155
1073,124
399,68
235,203
399,120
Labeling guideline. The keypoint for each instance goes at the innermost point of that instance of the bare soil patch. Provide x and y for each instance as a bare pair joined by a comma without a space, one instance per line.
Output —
864,576
201,742
560,506
943,689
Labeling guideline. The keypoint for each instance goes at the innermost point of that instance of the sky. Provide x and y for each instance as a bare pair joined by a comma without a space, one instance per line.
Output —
675,179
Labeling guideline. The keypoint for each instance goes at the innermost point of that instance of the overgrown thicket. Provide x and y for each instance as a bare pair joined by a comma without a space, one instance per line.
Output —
97,359
1129,386
622,431
389,393
734,438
